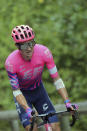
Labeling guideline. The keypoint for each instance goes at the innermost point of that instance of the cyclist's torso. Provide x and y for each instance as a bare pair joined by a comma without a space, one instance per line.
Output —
27,74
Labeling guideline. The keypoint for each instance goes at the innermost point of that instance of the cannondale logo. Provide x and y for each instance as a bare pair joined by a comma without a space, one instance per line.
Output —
45,107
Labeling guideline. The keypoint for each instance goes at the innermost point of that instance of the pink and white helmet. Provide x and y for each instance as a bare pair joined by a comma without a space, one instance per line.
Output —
22,33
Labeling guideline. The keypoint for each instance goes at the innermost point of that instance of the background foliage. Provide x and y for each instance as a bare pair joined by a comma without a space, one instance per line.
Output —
62,26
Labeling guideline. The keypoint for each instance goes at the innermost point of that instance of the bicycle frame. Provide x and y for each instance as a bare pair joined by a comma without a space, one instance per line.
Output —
48,127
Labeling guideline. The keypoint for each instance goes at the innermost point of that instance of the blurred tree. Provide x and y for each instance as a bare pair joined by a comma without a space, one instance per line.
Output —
58,24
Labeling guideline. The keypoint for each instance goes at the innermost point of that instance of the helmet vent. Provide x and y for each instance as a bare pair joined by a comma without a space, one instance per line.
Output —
25,34
27,28
19,30
13,31
22,36
22,27
16,37
29,34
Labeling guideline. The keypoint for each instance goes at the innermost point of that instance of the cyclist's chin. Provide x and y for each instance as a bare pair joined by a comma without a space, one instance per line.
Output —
28,57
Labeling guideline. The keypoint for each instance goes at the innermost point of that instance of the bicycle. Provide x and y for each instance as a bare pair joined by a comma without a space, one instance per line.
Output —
47,115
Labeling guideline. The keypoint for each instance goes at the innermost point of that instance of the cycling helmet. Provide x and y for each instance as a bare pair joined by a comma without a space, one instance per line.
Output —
22,33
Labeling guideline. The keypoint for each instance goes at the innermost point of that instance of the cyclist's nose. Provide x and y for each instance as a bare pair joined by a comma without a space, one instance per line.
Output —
28,48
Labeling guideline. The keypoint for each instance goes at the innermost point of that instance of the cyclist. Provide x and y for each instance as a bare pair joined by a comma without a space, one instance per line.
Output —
24,67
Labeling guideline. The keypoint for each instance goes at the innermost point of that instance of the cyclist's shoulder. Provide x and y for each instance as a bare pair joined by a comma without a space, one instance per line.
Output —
43,51
12,56
41,48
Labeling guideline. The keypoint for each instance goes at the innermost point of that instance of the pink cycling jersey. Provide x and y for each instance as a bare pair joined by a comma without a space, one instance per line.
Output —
27,75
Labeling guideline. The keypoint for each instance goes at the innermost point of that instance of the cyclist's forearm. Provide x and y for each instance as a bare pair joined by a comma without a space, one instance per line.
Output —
58,82
63,93
21,100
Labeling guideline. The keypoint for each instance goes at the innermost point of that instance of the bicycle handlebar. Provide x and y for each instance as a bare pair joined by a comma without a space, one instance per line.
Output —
45,117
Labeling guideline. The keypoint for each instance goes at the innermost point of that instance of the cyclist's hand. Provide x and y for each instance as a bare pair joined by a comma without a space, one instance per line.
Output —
29,113
69,106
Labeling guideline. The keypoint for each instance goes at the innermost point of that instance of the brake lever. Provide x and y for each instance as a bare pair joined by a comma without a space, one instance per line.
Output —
33,120
75,115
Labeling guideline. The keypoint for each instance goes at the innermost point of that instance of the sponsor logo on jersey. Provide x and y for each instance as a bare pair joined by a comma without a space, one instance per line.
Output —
45,106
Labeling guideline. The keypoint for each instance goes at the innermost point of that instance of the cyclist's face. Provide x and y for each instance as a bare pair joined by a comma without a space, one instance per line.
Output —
26,49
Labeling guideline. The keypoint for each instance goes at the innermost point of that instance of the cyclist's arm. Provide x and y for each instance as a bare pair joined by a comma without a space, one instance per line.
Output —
13,78
63,92
58,82
16,90
18,94
61,88
20,98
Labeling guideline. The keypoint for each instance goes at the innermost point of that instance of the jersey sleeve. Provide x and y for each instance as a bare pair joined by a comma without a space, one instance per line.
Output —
12,75
48,58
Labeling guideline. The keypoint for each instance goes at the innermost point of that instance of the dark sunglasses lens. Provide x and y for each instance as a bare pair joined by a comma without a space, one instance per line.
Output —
25,46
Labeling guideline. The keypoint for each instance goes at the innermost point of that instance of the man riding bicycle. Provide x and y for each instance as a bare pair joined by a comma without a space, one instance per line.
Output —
24,67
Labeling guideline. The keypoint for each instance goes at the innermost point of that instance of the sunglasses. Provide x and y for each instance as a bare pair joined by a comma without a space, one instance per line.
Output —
24,46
